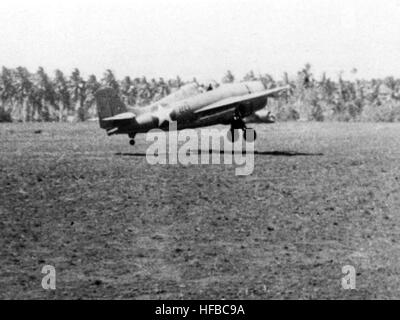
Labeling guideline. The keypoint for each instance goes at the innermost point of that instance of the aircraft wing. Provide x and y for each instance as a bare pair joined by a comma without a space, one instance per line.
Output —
234,102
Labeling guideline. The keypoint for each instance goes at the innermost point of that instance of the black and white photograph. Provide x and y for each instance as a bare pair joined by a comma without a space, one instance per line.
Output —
200,150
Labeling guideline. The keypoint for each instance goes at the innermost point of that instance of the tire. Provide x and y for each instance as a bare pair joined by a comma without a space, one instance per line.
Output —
132,142
233,135
250,135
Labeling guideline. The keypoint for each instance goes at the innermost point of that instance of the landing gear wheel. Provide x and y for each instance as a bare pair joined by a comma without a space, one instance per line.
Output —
233,135
249,134
132,142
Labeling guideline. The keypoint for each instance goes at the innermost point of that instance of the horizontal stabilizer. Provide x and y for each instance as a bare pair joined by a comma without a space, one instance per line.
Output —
121,116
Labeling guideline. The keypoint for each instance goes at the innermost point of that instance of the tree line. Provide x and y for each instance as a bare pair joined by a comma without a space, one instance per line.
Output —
26,96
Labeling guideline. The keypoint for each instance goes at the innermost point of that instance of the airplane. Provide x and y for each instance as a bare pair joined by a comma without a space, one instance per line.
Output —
233,104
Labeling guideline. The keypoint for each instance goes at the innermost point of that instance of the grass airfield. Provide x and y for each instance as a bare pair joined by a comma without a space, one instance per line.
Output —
322,196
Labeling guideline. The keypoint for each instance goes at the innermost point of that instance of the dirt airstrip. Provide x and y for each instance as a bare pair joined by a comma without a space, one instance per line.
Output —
322,196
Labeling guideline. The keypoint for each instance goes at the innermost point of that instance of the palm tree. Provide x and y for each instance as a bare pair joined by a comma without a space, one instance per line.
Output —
24,94
307,80
228,78
126,85
249,76
92,85
109,80
77,93
44,95
268,81
7,94
62,95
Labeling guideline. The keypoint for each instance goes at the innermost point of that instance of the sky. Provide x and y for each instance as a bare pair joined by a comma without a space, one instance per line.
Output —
202,38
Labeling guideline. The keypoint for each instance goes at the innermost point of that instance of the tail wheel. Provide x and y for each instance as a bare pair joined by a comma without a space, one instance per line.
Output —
132,142
249,135
233,135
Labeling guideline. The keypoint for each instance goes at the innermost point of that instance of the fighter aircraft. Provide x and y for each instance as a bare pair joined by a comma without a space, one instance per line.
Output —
230,104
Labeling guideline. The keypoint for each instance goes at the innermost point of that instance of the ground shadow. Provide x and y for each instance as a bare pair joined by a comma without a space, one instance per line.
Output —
262,153
129,154
210,151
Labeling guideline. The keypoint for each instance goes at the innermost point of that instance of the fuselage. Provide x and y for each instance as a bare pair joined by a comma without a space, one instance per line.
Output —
183,111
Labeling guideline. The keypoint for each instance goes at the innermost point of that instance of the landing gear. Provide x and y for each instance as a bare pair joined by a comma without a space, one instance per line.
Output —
132,136
249,134
233,135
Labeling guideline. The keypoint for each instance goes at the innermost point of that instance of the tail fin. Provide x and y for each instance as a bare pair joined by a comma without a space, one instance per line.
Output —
108,104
